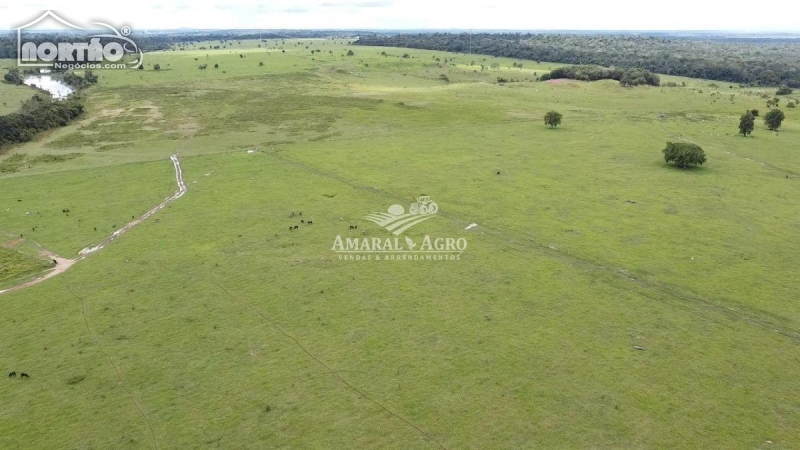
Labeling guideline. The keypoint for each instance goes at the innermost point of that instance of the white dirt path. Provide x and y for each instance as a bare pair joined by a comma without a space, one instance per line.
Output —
63,264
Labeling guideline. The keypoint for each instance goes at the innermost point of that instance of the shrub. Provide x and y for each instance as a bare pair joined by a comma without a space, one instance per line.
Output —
552,118
684,154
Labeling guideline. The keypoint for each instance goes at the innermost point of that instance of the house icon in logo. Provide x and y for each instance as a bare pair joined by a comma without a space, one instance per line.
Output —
32,58
90,51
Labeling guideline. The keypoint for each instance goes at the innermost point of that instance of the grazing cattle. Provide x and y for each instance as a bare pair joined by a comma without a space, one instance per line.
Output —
498,172
302,221
292,215
309,222
296,227
291,228
113,226
55,262
24,375
353,227
12,375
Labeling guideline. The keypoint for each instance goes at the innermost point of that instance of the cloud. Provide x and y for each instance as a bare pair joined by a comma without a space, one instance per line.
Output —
351,5
411,14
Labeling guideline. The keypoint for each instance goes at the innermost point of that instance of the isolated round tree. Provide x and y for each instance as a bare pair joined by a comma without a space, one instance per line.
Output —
552,118
684,154
774,118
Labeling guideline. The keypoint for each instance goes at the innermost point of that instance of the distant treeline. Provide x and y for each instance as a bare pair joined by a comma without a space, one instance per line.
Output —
37,115
626,77
758,62
153,41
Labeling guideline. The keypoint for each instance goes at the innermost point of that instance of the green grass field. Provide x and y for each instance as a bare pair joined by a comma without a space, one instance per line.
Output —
12,97
211,325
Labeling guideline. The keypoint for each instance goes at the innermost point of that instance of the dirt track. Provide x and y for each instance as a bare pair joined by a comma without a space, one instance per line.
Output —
63,264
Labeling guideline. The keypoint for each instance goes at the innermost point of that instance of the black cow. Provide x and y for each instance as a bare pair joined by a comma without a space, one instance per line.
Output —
12,375
24,375
309,222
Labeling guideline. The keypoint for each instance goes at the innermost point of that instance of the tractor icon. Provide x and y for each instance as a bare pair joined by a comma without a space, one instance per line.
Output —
423,206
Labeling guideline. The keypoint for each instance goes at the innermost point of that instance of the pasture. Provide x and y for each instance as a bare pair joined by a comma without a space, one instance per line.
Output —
11,96
606,300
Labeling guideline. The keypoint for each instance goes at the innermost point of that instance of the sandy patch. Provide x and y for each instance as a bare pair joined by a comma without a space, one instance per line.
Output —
13,244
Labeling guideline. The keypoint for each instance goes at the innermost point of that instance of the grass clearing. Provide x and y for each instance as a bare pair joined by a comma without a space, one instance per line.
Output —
217,326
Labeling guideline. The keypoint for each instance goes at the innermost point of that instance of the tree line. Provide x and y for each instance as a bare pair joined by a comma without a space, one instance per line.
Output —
153,41
761,62
37,115
626,77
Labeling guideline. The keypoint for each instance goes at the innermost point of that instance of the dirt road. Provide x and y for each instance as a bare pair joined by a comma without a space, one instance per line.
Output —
63,264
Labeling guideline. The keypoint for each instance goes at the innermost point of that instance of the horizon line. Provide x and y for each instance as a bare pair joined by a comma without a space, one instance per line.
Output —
471,30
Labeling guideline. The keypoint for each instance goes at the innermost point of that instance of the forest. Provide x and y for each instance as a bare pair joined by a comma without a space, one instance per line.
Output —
762,62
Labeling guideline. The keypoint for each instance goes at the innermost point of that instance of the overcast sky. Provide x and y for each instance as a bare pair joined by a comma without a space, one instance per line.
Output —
778,15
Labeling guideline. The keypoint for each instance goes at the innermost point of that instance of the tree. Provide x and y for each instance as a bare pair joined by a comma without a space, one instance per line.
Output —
350,53
746,123
784,90
552,118
684,154
216,66
13,76
774,118
156,66
754,112
261,64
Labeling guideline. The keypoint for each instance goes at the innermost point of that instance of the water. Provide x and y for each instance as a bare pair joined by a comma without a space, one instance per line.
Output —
57,89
